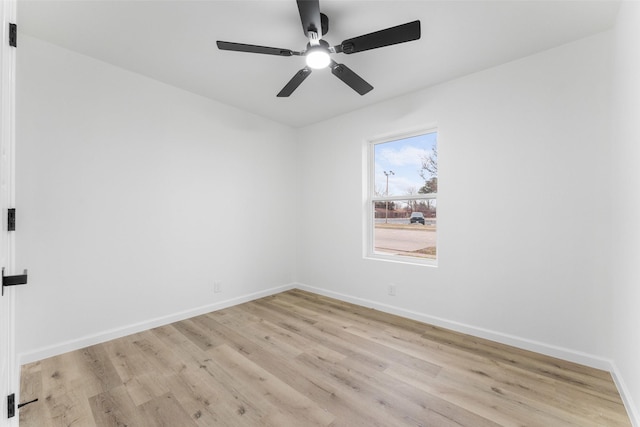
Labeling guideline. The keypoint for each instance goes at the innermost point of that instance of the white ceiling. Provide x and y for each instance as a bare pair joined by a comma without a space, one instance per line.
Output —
175,42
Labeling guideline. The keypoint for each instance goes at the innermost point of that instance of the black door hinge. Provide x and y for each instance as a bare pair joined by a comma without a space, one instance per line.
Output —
11,219
20,279
13,35
11,405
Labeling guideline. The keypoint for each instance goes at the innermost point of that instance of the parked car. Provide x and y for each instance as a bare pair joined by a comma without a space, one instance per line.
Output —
416,217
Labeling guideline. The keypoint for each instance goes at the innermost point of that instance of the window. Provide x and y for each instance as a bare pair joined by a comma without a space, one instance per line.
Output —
401,208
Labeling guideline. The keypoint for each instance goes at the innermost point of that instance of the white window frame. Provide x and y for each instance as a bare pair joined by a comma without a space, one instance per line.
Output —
370,198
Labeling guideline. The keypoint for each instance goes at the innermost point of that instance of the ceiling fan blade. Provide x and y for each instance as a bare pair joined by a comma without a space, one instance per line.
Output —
251,48
387,37
310,16
294,82
352,80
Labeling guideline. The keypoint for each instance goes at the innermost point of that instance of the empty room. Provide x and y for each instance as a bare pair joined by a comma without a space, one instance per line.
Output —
333,213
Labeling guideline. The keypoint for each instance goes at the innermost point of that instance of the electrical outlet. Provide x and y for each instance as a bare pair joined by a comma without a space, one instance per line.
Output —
392,289
217,287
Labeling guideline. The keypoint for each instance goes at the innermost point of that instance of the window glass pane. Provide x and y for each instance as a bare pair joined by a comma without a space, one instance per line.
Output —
406,166
405,228
403,193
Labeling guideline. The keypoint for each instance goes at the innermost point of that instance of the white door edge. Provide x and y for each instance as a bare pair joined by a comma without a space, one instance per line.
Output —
9,369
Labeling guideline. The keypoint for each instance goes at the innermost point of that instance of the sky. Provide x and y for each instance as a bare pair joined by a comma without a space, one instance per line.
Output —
404,158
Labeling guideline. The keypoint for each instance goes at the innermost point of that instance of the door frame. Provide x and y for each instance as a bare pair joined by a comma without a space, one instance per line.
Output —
9,369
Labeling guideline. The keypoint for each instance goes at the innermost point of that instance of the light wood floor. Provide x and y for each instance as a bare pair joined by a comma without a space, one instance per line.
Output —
299,359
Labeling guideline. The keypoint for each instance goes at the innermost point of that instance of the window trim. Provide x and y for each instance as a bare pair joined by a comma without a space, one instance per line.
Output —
370,198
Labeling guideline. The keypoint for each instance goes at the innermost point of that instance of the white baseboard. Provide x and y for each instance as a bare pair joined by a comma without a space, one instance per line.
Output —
554,351
632,410
515,341
64,347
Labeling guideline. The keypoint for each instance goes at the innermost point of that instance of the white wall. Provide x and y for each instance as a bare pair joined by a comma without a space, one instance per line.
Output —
625,260
524,221
133,197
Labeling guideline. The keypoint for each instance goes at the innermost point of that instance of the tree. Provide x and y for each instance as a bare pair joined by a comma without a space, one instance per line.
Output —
430,164
429,172
430,186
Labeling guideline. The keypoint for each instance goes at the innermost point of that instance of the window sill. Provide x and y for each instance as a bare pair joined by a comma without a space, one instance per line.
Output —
402,259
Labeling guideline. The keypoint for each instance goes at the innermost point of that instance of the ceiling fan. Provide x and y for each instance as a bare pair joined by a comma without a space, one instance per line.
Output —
318,51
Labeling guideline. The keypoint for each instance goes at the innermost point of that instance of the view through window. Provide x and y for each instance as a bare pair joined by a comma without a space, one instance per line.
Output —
403,193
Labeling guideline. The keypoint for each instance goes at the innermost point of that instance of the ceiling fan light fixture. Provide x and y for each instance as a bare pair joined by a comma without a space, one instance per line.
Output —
317,57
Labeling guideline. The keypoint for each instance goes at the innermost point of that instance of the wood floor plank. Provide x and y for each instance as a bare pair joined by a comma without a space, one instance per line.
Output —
322,336
114,408
299,359
283,399
138,376
400,405
209,395
198,335
348,410
599,382
529,385
165,411
68,409
97,370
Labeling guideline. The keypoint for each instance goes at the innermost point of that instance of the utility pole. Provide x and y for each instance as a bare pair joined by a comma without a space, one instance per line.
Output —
386,193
